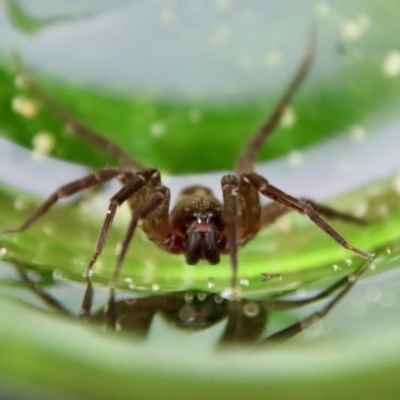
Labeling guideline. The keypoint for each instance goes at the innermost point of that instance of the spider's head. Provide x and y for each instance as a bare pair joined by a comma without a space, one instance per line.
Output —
203,239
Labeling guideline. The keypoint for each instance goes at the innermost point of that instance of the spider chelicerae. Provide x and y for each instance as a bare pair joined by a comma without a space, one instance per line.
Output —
199,225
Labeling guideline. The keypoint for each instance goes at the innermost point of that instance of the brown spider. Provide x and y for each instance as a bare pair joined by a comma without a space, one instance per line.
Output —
199,225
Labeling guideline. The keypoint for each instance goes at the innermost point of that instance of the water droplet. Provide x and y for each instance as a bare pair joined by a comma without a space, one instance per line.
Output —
273,59
288,118
336,267
189,296
43,143
24,106
157,129
201,296
251,309
391,64
218,299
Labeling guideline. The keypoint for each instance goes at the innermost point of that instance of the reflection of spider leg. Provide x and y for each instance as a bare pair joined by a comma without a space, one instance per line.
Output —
43,295
272,192
348,282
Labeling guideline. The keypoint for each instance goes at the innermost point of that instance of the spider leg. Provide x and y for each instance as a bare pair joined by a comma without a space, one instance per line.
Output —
132,185
272,211
77,127
347,283
266,189
248,158
68,190
157,198
230,185
241,215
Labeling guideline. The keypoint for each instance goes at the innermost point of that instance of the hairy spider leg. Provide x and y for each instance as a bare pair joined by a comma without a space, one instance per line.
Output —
272,192
132,184
68,190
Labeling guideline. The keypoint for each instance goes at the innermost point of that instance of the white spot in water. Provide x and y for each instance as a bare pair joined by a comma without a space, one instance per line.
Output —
218,299
391,64
189,296
351,278
19,204
231,293
24,106
388,251
43,143
372,266
244,282
273,59
251,309
48,230
3,252
352,30
361,209
348,261
295,158
288,117
157,129
336,267
357,134
128,280
155,287
201,296
210,284
57,274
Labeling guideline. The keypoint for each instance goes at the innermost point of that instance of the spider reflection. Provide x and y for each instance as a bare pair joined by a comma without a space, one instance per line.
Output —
246,320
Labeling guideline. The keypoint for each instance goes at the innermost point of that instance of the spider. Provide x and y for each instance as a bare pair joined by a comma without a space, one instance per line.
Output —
199,225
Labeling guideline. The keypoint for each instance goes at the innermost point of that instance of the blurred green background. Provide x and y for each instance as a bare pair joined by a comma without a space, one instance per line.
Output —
181,86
